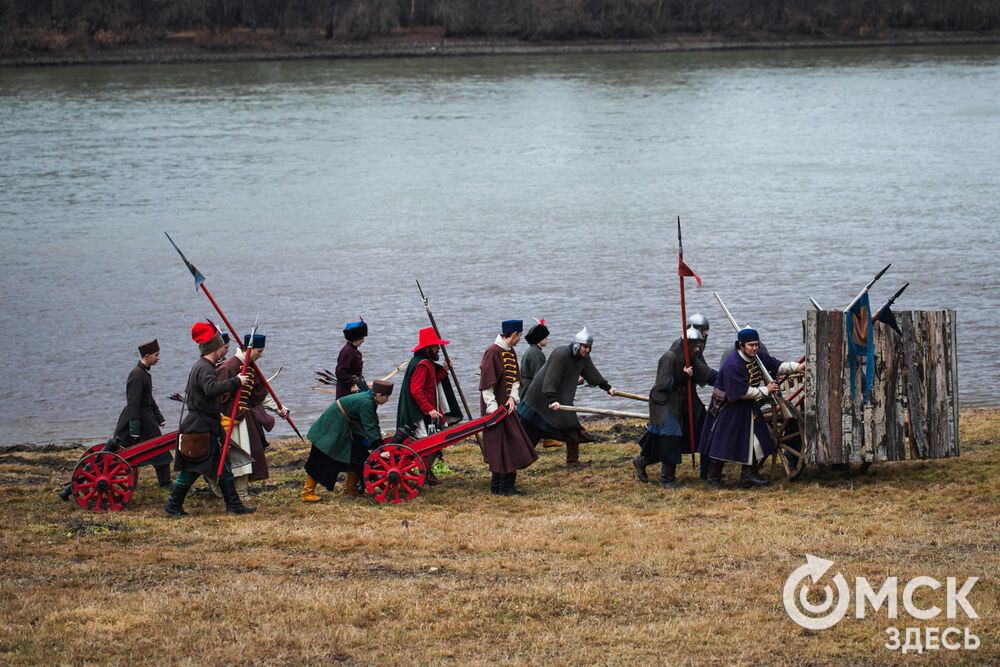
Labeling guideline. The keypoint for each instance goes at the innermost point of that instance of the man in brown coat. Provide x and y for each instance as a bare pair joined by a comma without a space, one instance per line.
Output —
246,447
506,445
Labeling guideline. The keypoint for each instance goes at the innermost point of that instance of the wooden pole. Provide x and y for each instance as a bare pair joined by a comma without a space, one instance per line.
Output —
687,356
599,411
619,392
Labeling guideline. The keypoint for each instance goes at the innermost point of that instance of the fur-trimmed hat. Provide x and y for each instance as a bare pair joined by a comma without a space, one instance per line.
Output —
207,337
356,330
382,387
152,347
258,341
537,333
507,327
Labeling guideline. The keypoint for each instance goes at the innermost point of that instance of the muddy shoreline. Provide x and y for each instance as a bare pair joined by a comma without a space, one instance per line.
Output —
178,51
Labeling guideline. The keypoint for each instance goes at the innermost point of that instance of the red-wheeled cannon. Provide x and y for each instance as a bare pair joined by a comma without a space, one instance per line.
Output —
395,472
105,477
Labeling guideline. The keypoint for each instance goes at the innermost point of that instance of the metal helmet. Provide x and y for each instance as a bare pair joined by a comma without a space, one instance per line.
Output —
699,322
693,335
582,337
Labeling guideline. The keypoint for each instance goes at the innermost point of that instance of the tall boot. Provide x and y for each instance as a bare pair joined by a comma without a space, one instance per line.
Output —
640,464
495,483
309,491
350,484
163,475
714,479
512,490
233,503
703,461
573,455
175,504
668,476
750,479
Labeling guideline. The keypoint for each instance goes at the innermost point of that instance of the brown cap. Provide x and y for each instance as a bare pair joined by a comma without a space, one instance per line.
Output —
382,387
152,347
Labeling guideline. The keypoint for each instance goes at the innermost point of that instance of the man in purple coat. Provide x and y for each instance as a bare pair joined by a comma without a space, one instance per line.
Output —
735,429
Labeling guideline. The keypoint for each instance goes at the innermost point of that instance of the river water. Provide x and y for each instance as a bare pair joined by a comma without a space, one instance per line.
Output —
511,187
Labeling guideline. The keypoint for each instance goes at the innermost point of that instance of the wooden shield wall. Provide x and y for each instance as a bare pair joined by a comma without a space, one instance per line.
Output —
916,381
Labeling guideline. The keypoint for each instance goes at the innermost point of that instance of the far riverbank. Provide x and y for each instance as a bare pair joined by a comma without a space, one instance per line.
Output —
248,47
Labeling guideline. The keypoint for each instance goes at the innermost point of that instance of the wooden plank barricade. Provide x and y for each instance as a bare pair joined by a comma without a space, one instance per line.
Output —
913,407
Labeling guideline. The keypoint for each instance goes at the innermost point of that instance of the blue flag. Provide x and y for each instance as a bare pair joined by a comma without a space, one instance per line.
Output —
860,340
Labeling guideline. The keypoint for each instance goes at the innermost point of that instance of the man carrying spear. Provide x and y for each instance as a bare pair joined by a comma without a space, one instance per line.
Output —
426,393
247,458
667,430
198,444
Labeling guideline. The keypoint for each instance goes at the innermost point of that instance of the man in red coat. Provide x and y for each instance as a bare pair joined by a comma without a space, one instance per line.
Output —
427,401
506,445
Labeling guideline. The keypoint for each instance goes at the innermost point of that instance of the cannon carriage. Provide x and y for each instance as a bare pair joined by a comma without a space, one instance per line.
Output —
395,472
106,475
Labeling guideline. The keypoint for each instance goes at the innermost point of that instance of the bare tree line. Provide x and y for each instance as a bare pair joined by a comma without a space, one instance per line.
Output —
524,19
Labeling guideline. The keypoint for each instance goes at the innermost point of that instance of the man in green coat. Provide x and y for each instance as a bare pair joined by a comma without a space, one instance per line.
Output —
342,437
537,338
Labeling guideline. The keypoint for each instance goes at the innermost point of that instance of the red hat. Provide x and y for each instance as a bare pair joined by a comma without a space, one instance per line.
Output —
428,338
202,332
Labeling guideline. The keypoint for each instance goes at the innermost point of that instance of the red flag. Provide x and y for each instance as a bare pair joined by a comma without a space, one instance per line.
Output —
685,270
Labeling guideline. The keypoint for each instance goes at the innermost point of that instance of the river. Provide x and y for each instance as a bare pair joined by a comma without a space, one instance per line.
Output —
511,187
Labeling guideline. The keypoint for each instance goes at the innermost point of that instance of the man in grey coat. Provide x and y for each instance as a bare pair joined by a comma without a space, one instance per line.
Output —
554,386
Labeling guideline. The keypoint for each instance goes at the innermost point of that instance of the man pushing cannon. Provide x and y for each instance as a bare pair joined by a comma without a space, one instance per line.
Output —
735,429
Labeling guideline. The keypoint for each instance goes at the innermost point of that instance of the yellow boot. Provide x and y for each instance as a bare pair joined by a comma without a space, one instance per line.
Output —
309,491
350,483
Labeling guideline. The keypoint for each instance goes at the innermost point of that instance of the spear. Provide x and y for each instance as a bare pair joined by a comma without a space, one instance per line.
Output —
867,287
447,361
888,303
684,270
199,281
236,398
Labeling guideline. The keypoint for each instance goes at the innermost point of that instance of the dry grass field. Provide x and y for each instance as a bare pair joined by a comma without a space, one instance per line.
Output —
590,567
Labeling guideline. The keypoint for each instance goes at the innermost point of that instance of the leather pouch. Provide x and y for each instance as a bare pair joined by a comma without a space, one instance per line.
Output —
194,445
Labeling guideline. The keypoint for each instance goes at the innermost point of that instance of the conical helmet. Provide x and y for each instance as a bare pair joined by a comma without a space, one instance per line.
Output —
699,322
583,337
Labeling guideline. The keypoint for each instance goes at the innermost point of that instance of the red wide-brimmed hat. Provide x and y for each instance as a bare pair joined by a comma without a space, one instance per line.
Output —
427,338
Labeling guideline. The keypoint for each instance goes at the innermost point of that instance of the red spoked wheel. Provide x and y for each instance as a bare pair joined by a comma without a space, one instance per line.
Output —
90,450
394,474
103,481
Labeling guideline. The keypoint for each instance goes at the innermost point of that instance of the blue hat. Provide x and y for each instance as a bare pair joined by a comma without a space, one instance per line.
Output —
747,335
258,341
507,327
356,330
225,338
